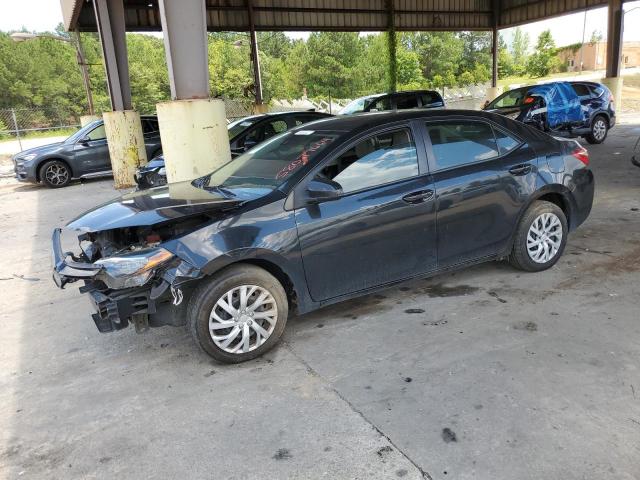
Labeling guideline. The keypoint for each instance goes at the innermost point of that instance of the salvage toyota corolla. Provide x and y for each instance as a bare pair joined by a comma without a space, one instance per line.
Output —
324,212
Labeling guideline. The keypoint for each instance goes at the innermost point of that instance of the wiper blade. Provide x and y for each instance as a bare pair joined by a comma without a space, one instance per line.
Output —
221,190
201,182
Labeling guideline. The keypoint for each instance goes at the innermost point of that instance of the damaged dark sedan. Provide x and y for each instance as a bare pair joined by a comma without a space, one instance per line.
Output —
323,213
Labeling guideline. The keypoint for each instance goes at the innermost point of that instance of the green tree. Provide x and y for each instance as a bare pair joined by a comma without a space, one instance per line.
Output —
330,63
520,50
505,59
544,59
439,52
466,79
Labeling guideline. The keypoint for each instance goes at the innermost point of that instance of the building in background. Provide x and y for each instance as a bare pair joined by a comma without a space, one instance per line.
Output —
594,56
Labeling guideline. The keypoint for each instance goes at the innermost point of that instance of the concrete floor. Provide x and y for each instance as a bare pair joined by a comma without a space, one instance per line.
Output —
497,374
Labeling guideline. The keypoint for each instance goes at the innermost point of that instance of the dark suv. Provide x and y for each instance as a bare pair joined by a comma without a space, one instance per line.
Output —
84,154
568,109
322,213
381,102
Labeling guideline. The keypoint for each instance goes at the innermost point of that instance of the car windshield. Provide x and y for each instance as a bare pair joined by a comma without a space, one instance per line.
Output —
513,98
237,126
267,166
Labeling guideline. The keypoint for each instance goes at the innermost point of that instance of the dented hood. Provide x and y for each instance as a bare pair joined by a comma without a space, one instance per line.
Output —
153,206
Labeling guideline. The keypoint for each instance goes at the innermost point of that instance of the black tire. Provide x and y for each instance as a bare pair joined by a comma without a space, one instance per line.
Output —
55,174
210,291
520,257
599,130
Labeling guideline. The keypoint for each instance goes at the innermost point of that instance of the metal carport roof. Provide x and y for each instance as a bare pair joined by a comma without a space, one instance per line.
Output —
342,15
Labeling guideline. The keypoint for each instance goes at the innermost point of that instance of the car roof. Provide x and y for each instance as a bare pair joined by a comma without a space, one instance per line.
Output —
362,121
401,92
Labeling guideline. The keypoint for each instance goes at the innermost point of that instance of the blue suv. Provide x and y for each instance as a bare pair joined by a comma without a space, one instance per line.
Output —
566,109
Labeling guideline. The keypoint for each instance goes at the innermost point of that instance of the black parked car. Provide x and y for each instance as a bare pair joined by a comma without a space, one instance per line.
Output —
84,154
322,213
244,134
381,102
569,109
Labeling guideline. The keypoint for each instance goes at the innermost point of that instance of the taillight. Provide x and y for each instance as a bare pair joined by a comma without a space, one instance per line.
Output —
581,154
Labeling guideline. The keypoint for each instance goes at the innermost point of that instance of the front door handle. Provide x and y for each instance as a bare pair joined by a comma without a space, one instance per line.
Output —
418,197
519,170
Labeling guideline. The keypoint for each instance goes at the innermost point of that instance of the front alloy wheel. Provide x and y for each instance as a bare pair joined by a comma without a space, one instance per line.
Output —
238,314
55,174
243,319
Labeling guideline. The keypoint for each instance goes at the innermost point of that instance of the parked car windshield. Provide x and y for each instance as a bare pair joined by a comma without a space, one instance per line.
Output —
510,99
267,166
237,126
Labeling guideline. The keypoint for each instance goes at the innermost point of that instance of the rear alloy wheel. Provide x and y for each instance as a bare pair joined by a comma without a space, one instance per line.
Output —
239,314
55,174
599,130
541,237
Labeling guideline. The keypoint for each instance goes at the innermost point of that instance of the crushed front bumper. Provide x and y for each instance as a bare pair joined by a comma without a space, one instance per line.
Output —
154,305
67,269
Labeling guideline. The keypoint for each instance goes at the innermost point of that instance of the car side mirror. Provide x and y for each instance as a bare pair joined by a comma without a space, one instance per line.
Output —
248,144
321,190
84,140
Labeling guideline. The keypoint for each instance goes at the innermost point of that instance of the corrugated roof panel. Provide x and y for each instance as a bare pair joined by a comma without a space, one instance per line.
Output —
350,15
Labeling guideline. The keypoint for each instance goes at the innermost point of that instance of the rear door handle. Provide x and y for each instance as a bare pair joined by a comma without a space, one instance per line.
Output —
518,170
418,197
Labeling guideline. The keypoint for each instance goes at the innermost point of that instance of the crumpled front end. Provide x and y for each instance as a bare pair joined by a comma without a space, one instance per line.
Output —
128,276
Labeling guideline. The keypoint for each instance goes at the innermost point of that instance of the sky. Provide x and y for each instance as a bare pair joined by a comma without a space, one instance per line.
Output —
44,15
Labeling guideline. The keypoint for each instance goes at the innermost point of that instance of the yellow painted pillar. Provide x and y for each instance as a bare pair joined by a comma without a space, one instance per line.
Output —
194,137
260,108
87,119
126,145
615,85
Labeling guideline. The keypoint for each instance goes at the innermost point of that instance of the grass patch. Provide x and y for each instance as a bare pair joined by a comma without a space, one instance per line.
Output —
59,132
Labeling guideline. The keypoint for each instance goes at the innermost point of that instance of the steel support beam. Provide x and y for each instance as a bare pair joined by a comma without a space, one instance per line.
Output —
392,45
185,42
494,58
614,38
496,5
111,28
255,56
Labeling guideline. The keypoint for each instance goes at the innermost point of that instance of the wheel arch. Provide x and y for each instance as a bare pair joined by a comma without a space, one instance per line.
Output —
51,159
600,113
293,282
558,195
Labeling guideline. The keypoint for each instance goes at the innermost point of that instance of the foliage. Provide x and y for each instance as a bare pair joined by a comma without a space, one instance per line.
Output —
520,51
544,59
43,73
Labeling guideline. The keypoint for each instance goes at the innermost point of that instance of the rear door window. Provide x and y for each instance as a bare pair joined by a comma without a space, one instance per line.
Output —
406,102
596,92
581,90
150,126
381,104
460,142
430,99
